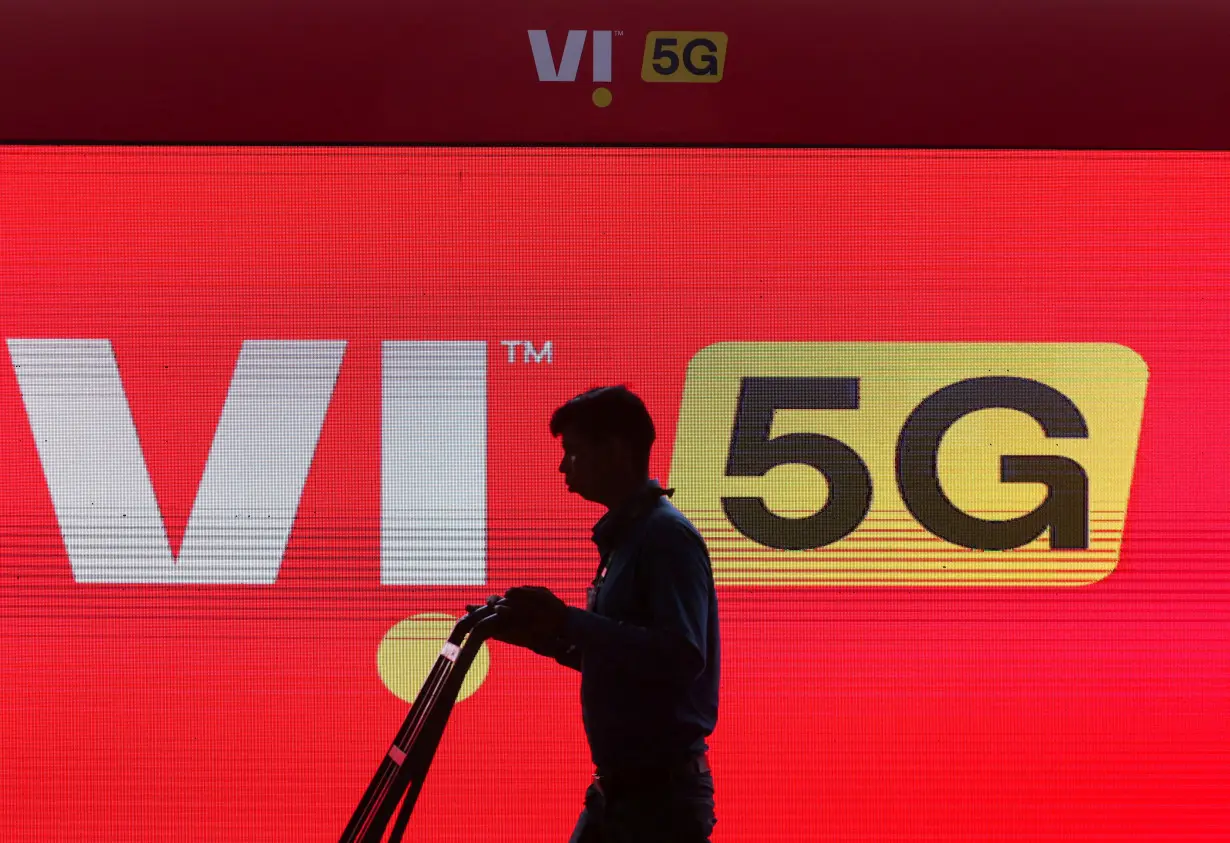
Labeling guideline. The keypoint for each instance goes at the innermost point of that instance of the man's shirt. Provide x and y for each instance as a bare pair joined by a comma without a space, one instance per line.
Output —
649,650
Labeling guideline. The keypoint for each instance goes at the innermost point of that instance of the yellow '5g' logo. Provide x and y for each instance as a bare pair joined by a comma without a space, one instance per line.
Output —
909,463
684,56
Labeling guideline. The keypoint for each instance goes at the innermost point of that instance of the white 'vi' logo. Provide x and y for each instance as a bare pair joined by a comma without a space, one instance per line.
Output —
433,462
565,70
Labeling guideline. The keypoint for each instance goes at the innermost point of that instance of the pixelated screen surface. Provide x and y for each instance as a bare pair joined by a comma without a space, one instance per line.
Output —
272,416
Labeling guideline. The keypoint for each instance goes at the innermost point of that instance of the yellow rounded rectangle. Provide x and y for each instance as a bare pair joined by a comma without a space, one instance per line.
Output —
684,56
909,463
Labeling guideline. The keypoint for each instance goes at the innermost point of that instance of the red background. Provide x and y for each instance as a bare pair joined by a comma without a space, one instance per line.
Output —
207,713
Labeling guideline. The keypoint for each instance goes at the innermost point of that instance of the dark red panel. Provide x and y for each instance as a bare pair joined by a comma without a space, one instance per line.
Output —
869,73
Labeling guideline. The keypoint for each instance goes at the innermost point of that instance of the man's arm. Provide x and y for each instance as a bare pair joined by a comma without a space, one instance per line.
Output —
674,647
564,651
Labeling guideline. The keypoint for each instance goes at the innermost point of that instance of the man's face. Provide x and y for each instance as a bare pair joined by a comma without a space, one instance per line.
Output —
589,467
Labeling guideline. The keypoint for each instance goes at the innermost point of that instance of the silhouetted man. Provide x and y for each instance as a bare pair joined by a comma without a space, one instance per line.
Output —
647,643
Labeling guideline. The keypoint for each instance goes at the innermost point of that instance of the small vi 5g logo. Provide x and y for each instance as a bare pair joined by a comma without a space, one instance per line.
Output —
909,463
670,56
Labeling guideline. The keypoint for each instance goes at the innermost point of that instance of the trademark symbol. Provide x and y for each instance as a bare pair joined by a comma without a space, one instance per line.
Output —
619,33
529,354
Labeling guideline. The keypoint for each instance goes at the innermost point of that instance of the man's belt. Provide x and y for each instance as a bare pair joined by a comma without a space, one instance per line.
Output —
631,777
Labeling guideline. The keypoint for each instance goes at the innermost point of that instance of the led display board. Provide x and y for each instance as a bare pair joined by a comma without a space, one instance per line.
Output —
949,421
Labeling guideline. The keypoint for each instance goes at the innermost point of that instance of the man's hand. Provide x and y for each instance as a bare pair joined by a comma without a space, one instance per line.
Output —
497,628
528,616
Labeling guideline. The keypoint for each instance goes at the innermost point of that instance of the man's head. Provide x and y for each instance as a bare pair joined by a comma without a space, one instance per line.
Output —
606,434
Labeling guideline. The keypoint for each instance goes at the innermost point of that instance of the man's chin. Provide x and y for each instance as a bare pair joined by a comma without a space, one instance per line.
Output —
580,494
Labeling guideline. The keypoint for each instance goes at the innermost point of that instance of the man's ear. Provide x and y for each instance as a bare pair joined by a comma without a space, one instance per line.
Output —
621,450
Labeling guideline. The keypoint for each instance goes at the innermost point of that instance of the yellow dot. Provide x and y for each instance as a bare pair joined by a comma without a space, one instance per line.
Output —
409,651
602,97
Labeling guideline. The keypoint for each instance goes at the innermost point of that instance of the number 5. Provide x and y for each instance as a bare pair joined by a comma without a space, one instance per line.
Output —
671,58
753,454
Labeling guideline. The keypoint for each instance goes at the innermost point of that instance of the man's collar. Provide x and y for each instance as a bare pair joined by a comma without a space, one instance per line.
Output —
645,497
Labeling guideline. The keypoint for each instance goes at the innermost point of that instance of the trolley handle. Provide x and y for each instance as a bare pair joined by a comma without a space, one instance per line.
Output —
475,614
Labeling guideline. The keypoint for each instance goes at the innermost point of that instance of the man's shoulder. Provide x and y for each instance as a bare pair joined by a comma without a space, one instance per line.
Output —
665,523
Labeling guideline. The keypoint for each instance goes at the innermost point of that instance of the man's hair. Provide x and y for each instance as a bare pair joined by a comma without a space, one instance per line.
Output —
607,412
